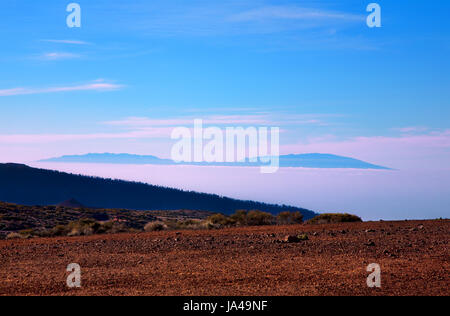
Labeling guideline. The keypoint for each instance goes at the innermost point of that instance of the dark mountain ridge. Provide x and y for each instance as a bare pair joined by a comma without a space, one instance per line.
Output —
31,186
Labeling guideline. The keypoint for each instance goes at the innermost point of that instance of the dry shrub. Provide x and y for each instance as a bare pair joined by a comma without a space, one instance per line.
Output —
289,218
15,236
83,227
209,225
190,224
86,227
155,227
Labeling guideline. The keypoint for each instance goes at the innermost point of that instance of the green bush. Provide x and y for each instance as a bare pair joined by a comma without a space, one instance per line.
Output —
334,218
239,218
242,218
254,218
303,237
258,218
221,220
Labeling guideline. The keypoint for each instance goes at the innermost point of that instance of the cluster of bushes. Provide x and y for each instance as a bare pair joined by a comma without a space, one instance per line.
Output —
242,218
18,221
239,219
86,227
334,218
83,227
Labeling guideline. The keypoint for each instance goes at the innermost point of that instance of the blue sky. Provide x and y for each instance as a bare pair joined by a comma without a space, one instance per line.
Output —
314,68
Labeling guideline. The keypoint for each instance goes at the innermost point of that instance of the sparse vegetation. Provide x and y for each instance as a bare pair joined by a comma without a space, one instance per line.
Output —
189,224
18,221
334,218
83,227
255,218
241,218
49,221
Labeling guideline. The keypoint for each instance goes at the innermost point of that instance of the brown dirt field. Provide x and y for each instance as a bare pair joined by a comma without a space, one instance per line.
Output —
413,255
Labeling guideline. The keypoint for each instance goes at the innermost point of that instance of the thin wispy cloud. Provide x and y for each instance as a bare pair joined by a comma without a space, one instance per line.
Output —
221,120
59,56
292,13
149,128
321,26
94,86
70,42
412,129
188,121
231,18
52,138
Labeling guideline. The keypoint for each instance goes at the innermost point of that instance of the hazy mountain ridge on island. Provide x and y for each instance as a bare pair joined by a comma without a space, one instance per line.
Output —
24,185
293,160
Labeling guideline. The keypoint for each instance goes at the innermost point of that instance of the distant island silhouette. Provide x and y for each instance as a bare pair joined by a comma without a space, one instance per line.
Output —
294,161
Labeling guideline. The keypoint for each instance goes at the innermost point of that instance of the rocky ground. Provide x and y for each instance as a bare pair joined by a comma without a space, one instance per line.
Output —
315,260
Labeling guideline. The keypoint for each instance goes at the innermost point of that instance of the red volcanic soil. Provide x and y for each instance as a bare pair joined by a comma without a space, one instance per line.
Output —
413,255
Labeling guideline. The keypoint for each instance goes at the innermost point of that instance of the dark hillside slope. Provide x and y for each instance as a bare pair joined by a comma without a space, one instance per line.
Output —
30,186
